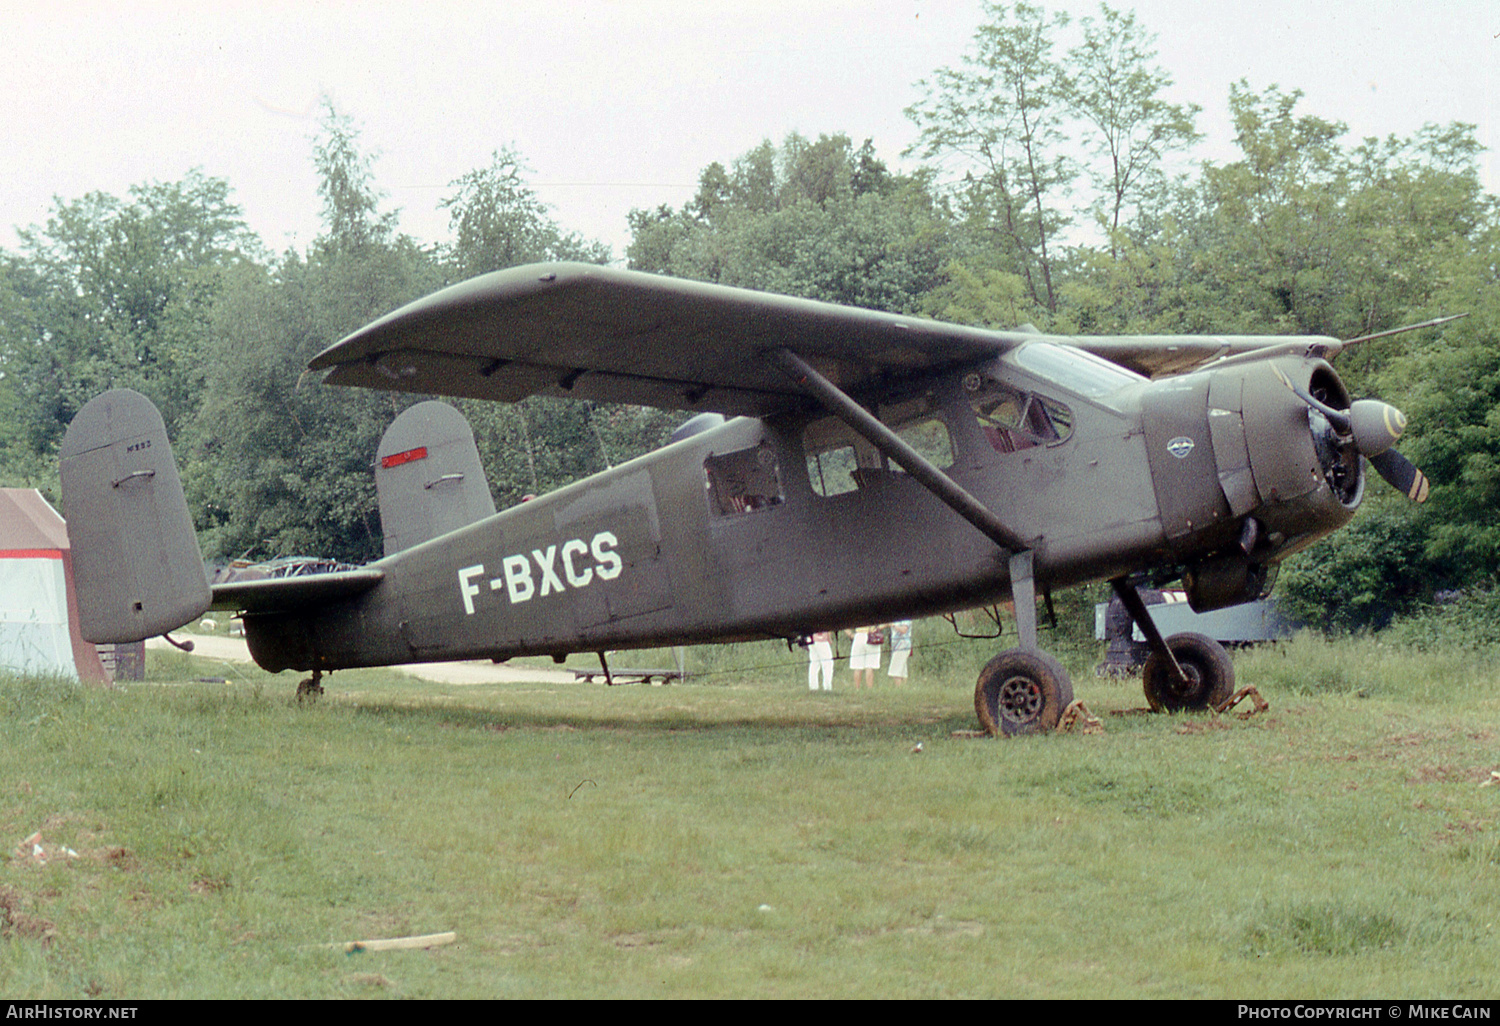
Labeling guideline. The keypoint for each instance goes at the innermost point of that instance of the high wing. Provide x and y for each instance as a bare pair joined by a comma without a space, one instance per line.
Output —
590,332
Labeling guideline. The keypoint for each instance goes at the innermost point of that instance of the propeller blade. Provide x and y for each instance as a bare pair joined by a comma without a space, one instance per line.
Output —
1375,427
1338,418
1401,474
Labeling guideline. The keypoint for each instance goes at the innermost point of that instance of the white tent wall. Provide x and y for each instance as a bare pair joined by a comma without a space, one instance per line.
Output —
38,607
34,635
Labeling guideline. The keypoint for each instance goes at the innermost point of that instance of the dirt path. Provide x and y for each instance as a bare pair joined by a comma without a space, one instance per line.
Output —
234,650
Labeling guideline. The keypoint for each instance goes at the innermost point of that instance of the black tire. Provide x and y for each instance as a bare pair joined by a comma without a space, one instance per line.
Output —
1021,692
1208,667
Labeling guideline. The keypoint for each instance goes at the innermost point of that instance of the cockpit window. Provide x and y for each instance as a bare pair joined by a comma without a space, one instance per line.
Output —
1075,369
1013,420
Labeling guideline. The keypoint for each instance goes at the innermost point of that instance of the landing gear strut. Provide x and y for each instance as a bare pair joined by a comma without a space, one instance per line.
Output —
1023,690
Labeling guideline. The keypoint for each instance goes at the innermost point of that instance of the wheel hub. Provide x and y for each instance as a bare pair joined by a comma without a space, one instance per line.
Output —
1188,689
1020,700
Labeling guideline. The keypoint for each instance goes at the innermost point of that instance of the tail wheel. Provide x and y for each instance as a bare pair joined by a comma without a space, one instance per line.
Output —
1209,671
1022,692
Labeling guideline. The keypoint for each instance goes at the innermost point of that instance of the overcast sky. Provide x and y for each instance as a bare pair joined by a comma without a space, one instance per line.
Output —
620,104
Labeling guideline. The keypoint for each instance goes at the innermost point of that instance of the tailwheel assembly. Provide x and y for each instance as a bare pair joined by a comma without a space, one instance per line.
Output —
311,688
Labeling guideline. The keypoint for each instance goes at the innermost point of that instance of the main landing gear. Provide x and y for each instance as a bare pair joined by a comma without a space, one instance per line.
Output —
1026,691
1022,690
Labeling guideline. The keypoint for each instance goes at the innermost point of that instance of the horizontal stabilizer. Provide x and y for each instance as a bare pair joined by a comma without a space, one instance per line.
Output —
290,594
136,562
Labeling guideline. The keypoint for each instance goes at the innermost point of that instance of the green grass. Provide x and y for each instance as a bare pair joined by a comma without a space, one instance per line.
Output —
737,836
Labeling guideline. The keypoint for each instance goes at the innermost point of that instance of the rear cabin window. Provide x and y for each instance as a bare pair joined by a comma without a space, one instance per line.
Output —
840,461
743,481
834,471
930,437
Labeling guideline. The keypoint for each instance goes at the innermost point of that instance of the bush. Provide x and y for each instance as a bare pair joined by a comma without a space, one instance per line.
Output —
1359,578
1470,622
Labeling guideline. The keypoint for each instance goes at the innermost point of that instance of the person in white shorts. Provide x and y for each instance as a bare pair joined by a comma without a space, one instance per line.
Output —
864,654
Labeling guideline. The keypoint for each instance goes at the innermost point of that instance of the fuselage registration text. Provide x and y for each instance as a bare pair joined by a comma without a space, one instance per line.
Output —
555,569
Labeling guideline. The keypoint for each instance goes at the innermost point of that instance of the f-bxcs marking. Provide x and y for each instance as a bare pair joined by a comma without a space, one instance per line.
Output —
521,586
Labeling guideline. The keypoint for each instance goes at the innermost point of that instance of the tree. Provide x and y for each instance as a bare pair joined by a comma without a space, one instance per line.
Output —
1000,119
351,203
1113,86
811,218
497,221
278,465
1450,390
114,292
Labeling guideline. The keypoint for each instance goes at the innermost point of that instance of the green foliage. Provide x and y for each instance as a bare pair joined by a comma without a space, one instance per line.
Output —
1000,120
813,219
1113,86
1450,390
497,221
1359,577
1467,620
112,293
281,465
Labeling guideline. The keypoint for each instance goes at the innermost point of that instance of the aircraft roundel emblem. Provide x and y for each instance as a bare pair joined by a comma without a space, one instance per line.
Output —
1180,447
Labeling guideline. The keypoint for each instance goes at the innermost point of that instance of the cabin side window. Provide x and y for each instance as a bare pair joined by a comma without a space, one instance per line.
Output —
1012,420
833,471
930,437
743,481
840,461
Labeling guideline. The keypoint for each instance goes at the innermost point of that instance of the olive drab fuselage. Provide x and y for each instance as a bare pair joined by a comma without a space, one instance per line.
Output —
774,527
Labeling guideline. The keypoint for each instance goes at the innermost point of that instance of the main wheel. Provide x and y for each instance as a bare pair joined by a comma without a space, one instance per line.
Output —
1210,675
1022,692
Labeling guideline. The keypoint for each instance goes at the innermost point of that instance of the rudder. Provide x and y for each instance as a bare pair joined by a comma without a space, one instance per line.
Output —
428,476
136,562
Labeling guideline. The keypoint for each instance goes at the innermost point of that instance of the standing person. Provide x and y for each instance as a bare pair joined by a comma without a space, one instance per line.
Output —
820,660
864,653
900,651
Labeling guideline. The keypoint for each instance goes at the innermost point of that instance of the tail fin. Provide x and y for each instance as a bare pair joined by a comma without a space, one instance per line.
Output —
428,476
136,562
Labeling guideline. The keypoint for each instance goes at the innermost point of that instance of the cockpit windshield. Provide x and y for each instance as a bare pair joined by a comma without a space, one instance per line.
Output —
1075,369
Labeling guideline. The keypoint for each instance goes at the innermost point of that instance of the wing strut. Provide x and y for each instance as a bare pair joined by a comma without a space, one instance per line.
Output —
903,455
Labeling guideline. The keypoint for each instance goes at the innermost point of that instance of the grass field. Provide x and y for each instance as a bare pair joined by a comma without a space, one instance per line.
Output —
736,836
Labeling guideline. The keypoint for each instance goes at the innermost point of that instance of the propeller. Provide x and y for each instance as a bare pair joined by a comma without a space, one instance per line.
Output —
1375,427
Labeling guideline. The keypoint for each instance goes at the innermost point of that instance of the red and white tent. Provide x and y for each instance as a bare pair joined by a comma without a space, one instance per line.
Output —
38,607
